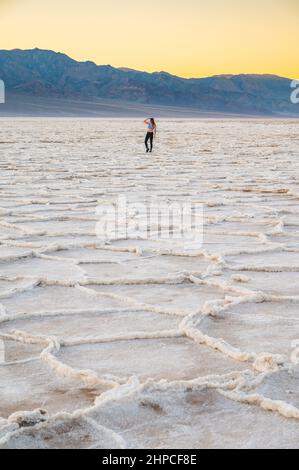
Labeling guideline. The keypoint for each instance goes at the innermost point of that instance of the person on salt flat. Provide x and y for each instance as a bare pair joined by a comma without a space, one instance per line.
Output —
151,132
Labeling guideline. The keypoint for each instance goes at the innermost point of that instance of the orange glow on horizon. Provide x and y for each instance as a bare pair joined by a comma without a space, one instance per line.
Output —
190,38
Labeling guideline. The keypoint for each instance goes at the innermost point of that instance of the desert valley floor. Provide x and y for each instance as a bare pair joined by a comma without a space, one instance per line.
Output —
144,342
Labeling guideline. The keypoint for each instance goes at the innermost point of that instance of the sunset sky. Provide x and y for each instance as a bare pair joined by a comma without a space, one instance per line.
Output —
184,37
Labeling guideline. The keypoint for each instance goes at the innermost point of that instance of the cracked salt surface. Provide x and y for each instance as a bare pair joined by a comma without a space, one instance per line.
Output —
142,343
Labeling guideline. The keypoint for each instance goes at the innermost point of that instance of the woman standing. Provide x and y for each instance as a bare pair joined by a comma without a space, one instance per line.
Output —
151,131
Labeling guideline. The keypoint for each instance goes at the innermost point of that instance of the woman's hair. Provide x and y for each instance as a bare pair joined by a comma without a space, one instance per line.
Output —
152,121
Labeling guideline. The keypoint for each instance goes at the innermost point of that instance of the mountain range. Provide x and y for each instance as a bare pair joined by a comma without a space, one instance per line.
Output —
39,75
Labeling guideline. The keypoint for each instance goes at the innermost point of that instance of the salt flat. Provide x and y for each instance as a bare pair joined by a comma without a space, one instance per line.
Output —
136,342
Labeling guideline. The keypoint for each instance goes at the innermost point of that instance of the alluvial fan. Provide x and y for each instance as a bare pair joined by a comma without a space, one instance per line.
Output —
115,332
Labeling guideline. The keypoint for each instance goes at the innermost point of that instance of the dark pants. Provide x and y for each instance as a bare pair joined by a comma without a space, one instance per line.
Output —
149,137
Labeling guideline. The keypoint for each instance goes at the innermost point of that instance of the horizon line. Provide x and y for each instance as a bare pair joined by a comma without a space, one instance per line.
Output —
124,68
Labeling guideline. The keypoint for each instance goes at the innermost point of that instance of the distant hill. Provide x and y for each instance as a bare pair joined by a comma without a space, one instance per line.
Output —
47,74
